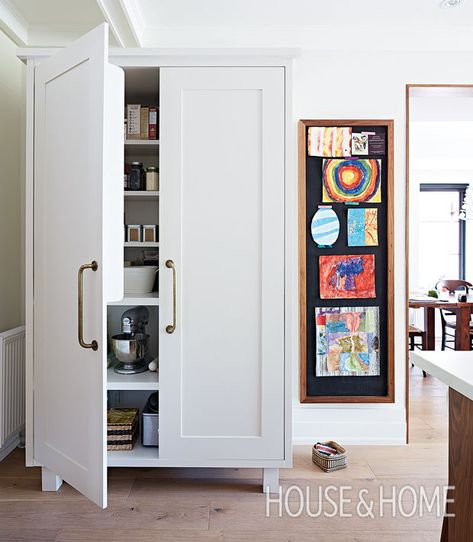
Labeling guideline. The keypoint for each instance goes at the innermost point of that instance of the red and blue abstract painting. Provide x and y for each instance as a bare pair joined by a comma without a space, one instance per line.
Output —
347,277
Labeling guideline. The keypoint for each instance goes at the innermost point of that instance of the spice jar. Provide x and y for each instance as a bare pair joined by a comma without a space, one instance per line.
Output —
136,176
152,178
134,233
150,233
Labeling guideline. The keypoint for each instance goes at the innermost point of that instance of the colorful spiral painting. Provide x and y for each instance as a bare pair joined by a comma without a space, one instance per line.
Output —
351,180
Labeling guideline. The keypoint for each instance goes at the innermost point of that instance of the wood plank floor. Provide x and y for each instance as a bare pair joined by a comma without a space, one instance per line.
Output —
226,504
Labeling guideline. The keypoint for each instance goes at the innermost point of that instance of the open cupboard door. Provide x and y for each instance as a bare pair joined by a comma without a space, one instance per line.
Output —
78,256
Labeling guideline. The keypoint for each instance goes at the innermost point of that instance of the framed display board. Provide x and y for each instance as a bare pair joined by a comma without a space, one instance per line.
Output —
346,261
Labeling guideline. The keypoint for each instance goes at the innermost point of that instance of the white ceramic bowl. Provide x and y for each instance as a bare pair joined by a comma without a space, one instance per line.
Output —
140,279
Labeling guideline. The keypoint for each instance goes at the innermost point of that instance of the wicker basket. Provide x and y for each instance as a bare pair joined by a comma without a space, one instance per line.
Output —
122,428
330,463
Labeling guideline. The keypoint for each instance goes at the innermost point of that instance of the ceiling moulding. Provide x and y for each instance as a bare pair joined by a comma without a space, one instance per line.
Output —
314,37
125,21
13,23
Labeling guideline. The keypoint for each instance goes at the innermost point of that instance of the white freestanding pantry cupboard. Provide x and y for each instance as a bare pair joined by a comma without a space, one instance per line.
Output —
225,215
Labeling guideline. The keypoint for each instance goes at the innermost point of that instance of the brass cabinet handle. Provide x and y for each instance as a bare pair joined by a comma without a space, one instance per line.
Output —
80,301
172,328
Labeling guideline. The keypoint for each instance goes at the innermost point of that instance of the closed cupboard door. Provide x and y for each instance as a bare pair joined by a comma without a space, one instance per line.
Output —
222,162
78,219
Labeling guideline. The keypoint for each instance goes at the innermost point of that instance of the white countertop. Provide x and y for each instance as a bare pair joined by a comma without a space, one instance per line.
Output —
453,367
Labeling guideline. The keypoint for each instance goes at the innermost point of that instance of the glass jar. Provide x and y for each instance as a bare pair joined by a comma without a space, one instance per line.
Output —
136,176
127,171
152,178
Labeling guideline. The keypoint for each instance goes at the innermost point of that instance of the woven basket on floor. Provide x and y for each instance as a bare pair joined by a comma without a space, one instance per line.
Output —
330,463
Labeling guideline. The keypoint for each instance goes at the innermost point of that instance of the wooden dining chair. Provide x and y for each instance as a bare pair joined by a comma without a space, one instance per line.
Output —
453,285
448,318
415,333
448,330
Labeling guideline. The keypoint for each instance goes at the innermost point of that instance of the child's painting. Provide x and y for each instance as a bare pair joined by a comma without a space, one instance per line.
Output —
347,277
362,227
351,180
325,226
347,341
330,142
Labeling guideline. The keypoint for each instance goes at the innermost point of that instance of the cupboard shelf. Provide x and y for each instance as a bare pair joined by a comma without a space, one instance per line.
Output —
151,299
136,244
140,456
143,381
141,195
142,142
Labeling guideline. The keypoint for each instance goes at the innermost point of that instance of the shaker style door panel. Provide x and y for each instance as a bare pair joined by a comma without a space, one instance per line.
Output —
222,161
78,219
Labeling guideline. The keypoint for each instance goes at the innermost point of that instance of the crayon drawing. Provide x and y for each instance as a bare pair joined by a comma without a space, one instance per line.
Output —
347,277
362,227
325,226
351,180
329,142
347,341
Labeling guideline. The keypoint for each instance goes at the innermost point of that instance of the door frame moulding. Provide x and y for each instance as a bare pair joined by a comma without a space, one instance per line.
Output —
410,90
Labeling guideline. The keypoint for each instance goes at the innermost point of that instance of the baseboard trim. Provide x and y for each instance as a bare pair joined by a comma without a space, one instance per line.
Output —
372,431
373,441
10,445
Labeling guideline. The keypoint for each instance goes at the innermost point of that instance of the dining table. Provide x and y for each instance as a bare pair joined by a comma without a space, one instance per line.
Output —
462,310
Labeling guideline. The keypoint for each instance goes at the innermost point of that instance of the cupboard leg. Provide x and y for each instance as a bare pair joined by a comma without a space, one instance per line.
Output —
270,480
49,480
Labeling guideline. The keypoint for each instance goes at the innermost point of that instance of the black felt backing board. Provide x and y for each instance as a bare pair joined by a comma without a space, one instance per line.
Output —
346,385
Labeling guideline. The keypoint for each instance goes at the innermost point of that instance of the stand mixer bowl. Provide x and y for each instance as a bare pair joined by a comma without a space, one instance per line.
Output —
130,349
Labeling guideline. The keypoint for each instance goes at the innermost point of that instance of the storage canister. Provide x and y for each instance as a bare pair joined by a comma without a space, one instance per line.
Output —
133,234
152,178
150,233
136,176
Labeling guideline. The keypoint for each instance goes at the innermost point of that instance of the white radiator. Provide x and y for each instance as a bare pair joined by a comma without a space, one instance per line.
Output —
12,388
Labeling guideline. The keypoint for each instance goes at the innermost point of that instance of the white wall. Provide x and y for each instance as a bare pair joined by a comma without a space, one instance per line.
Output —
364,84
11,168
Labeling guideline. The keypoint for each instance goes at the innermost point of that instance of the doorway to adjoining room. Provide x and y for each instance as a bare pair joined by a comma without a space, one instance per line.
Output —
439,231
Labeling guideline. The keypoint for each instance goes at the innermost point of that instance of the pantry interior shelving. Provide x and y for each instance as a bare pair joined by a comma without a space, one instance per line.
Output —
145,195
141,207
147,142
140,456
141,244
139,382
151,299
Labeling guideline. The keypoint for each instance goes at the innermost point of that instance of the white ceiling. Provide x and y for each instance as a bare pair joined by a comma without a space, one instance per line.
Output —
313,24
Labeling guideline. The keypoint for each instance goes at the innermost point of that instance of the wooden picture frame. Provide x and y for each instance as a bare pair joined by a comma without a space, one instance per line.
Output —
389,396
